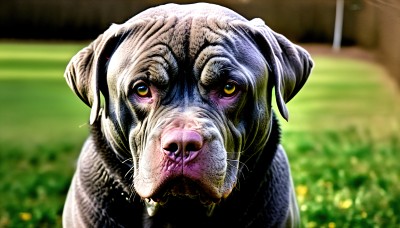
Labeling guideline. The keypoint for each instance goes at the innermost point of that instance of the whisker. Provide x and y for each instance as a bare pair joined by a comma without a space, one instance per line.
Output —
127,160
131,170
239,168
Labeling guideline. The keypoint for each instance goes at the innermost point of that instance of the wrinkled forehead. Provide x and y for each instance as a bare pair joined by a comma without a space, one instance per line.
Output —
184,29
184,38
170,37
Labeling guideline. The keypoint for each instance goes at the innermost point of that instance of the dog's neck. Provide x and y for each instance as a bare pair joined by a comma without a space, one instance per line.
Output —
117,170
104,185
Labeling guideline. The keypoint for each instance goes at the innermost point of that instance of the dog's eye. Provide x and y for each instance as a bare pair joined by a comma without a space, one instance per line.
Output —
229,89
142,90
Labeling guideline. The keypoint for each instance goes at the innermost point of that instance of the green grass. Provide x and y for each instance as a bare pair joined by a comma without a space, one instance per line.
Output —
342,140
42,127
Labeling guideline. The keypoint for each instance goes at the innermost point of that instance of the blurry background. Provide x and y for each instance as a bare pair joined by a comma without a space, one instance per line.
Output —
342,138
368,23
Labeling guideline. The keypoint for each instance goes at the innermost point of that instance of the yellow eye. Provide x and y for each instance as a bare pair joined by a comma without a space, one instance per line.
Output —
142,90
229,89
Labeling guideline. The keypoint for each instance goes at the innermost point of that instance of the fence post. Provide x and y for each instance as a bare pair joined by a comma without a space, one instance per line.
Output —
337,37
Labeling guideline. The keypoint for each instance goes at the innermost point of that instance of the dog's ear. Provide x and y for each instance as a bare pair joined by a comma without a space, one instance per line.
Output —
86,72
288,64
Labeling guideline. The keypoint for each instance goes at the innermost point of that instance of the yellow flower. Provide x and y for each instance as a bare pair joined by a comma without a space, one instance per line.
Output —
311,224
345,204
301,190
331,225
25,216
364,214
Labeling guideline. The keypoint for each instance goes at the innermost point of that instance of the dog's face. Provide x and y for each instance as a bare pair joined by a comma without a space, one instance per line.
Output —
187,94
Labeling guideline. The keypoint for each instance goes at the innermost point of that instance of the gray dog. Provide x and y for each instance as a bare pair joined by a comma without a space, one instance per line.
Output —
183,134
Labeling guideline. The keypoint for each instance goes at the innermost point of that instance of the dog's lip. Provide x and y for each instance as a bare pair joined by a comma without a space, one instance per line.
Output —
153,205
203,198
181,189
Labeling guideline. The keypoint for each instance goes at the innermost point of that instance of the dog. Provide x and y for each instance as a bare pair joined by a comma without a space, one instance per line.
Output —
182,128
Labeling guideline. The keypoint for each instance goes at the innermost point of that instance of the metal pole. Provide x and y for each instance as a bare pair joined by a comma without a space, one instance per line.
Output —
337,38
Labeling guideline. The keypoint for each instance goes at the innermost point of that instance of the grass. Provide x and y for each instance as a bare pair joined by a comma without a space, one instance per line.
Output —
342,140
42,128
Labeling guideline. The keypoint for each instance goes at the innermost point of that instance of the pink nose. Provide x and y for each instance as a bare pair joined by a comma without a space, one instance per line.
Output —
181,144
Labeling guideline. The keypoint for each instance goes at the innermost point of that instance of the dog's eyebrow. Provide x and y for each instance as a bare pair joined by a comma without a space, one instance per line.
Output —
160,64
216,69
156,66
158,74
205,55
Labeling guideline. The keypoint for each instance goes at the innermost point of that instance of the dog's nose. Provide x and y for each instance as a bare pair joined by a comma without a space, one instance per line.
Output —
180,143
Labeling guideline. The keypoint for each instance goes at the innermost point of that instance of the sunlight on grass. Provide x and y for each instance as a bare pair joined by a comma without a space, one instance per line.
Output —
343,93
35,60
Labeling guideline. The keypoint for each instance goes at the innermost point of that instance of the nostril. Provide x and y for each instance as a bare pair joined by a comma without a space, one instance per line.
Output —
192,141
193,146
171,147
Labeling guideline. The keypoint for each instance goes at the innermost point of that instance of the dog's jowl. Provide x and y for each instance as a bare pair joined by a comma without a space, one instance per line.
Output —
182,128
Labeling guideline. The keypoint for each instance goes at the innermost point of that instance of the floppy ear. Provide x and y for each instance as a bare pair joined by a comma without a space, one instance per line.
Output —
289,64
86,72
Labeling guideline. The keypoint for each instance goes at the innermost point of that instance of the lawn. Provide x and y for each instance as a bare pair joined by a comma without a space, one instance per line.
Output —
342,140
